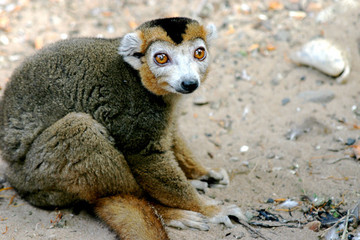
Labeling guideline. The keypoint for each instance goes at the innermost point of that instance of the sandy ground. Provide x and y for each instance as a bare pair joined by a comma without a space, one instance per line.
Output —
250,102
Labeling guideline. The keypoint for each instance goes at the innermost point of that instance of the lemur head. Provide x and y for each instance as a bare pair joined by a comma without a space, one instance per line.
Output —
170,54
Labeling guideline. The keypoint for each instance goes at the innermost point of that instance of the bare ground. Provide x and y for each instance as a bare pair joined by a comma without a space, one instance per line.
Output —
250,103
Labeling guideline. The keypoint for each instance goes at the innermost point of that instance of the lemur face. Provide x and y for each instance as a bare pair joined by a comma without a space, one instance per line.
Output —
178,68
171,54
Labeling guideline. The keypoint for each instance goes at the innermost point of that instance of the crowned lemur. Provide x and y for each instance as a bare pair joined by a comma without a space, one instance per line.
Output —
94,120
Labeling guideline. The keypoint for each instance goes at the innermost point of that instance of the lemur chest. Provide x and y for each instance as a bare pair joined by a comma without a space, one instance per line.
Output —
135,125
134,133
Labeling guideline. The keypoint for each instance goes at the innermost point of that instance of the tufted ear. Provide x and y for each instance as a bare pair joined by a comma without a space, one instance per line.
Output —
130,49
211,33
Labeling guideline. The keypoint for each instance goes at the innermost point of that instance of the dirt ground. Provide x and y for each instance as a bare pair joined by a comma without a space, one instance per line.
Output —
241,119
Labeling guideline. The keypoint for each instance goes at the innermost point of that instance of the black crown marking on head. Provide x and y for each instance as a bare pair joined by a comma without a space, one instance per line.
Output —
174,27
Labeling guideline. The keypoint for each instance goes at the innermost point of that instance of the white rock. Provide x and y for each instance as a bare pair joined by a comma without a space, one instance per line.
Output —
325,56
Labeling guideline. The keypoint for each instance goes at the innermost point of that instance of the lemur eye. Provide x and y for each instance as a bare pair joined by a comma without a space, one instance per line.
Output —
200,53
161,58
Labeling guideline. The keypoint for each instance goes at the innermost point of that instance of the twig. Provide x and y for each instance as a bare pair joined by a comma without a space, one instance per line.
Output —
252,230
337,223
7,188
340,159
265,225
346,225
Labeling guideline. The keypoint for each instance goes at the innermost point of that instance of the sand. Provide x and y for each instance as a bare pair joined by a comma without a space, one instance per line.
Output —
250,104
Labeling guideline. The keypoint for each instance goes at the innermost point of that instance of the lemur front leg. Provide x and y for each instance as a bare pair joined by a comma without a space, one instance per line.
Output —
159,174
200,177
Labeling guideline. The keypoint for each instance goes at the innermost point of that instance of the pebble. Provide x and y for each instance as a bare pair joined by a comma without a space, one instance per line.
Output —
14,58
200,100
350,141
244,148
321,96
270,155
234,159
285,101
240,235
314,226
4,40
283,35
277,79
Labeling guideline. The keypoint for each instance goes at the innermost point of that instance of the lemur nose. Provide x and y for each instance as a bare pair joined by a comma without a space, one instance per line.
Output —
189,85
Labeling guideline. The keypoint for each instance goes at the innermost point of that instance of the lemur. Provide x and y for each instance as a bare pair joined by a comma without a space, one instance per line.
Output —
94,120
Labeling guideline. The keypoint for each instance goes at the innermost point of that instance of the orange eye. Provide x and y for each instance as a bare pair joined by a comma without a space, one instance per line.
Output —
200,53
161,58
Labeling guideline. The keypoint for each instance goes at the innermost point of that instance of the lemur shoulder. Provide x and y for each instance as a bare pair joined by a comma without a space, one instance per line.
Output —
94,120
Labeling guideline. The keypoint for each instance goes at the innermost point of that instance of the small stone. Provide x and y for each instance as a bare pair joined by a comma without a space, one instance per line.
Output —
283,35
270,155
270,200
234,159
240,235
4,40
321,96
350,141
14,58
200,100
285,101
244,148
314,226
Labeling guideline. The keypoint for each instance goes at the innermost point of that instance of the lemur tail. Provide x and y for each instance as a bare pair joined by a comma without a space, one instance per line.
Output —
131,218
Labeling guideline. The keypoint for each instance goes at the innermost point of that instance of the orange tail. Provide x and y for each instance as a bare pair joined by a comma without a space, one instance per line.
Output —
131,218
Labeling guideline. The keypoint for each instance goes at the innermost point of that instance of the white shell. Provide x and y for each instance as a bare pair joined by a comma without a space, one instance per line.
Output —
324,56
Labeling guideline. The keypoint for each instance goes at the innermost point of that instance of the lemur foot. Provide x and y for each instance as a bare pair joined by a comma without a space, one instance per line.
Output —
190,219
213,179
184,219
223,216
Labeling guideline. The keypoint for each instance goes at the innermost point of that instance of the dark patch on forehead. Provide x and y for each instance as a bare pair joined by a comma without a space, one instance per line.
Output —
174,27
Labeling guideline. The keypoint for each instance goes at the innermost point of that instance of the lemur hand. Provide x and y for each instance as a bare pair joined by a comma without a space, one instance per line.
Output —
184,219
213,179
217,212
223,216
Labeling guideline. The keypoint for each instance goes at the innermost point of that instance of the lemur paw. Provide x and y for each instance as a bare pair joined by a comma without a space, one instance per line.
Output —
223,216
189,219
199,185
216,178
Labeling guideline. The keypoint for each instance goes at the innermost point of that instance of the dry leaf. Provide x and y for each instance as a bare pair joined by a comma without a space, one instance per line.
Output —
4,23
39,42
356,148
132,24
107,13
253,47
275,5
314,7
299,15
230,30
270,47
314,226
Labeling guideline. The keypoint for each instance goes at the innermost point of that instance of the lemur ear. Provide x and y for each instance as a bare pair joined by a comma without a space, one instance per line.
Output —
130,49
211,32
